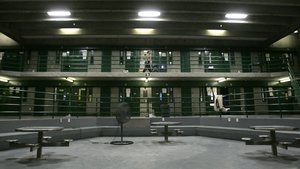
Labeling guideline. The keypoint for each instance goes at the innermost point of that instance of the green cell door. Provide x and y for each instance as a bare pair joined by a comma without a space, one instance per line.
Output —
105,101
134,101
185,61
42,61
186,101
106,61
246,62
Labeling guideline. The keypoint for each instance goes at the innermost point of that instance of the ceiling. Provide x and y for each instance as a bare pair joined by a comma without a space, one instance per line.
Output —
181,23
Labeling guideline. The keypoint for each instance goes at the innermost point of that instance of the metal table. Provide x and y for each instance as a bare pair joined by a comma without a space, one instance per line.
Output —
166,128
40,130
272,129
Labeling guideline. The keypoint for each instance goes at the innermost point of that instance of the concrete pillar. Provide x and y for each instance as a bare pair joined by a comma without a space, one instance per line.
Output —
28,102
177,102
195,101
195,65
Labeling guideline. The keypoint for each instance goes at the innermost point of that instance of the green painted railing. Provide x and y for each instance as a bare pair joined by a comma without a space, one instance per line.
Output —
294,82
19,103
137,61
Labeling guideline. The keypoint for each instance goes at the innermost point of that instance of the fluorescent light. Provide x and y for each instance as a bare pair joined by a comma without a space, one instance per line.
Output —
144,31
149,13
236,15
59,13
223,79
286,79
234,21
69,31
61,19
149,19
216,32
2,79
69,79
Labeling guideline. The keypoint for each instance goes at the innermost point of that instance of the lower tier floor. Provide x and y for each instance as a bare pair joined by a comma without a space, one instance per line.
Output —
191,152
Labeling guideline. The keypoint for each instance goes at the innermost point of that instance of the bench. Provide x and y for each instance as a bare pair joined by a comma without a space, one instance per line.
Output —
153,131
249,141
284,144
178,132
264,136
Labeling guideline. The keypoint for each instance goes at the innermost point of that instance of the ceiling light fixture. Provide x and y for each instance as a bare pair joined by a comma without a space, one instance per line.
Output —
59,13
150,19
234,21
296,31
286,79
61,19
223,79
216,32
149,14
2,79
69,31
69,79
144,31
236,15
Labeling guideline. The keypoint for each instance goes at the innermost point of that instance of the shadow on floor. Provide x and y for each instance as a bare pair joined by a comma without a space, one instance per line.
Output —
261,155
47,158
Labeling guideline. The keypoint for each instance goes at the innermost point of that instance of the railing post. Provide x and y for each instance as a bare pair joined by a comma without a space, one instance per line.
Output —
53,104
148,107
97,113
20,111
279,103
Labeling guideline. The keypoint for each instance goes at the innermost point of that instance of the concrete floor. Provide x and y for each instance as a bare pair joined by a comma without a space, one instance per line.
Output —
151,153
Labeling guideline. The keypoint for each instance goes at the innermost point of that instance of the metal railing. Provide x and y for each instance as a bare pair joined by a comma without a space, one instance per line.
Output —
78,63
20,103
294,82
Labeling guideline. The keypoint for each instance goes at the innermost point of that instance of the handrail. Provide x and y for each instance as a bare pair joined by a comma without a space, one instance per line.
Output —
78,63
15,103
294,82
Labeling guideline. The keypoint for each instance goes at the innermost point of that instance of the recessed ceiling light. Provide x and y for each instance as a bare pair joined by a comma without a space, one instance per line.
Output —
216,32
69,31
149,13
296,31
149,19
234,21
223,79
285,79
236,15
2,79
59,13
61,19
144,31
69,79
